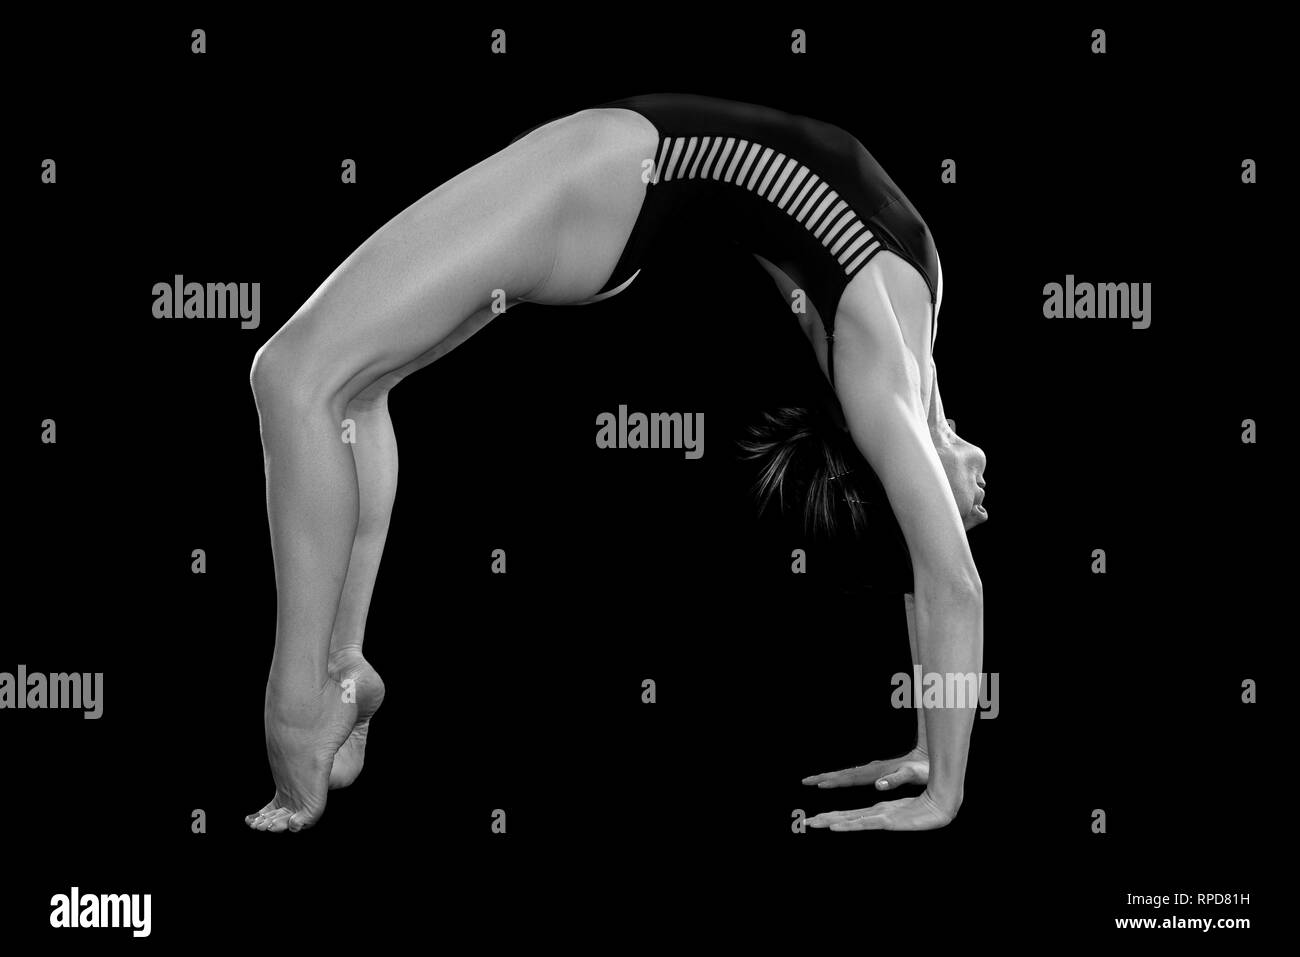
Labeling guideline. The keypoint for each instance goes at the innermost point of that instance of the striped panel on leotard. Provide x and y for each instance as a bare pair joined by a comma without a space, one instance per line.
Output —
782,180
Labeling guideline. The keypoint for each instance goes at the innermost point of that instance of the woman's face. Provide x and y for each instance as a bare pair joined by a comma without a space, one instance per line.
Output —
964,465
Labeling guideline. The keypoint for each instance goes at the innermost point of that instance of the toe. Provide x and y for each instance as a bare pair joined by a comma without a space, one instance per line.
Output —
277,820
266,818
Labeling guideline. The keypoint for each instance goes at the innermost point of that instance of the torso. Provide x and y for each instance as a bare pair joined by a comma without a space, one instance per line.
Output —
791,189
803,196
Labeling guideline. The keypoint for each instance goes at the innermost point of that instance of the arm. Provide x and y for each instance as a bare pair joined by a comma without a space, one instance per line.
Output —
909,605
879,386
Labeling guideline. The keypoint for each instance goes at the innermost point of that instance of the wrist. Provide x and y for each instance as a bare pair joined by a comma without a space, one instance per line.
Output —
945,801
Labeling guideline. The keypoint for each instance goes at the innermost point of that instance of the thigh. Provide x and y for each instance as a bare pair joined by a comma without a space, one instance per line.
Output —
377,390
602,207
493,232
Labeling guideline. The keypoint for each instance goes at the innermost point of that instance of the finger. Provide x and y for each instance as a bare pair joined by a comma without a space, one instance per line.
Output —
879,817
831,779
827,818
816,778
869,819
904,775
872,822
831,818
886,816
854,777
850,778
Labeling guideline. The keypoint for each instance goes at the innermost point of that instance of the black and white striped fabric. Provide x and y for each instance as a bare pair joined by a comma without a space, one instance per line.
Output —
791,185
803,194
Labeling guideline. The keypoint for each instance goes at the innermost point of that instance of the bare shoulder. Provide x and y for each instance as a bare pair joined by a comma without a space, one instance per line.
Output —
888,301
883,322
889,290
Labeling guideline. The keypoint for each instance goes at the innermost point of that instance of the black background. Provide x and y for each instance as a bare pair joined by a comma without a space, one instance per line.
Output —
523,692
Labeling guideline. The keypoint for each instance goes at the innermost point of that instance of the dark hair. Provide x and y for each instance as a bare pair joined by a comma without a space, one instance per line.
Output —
802,455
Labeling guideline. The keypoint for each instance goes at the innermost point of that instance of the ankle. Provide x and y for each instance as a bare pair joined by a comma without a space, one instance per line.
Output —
345,655
293,705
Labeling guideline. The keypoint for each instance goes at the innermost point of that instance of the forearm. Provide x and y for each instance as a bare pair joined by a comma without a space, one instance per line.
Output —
909,604
949,644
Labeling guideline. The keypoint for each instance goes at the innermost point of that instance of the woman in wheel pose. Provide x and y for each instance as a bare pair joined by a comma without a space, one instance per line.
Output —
569,213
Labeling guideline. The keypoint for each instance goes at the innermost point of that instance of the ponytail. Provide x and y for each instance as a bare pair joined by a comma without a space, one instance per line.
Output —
800,455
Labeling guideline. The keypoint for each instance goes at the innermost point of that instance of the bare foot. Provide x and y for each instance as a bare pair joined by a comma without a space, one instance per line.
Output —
302,738
911,768
368,692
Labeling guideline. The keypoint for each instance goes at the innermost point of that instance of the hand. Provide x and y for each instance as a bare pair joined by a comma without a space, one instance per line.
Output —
911,768
907,814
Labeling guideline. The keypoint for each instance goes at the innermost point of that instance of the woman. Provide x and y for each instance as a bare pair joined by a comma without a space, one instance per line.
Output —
568,214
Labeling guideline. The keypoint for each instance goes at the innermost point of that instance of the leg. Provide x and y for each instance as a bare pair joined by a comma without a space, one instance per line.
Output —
312,502
506,227
374,453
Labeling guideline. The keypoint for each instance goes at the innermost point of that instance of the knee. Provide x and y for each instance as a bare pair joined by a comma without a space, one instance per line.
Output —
373,399
272,374
284,376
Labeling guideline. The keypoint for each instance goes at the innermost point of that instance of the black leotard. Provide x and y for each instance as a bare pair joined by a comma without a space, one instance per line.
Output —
804,194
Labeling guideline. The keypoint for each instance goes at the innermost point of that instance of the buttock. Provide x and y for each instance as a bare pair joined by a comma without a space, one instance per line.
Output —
602,204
